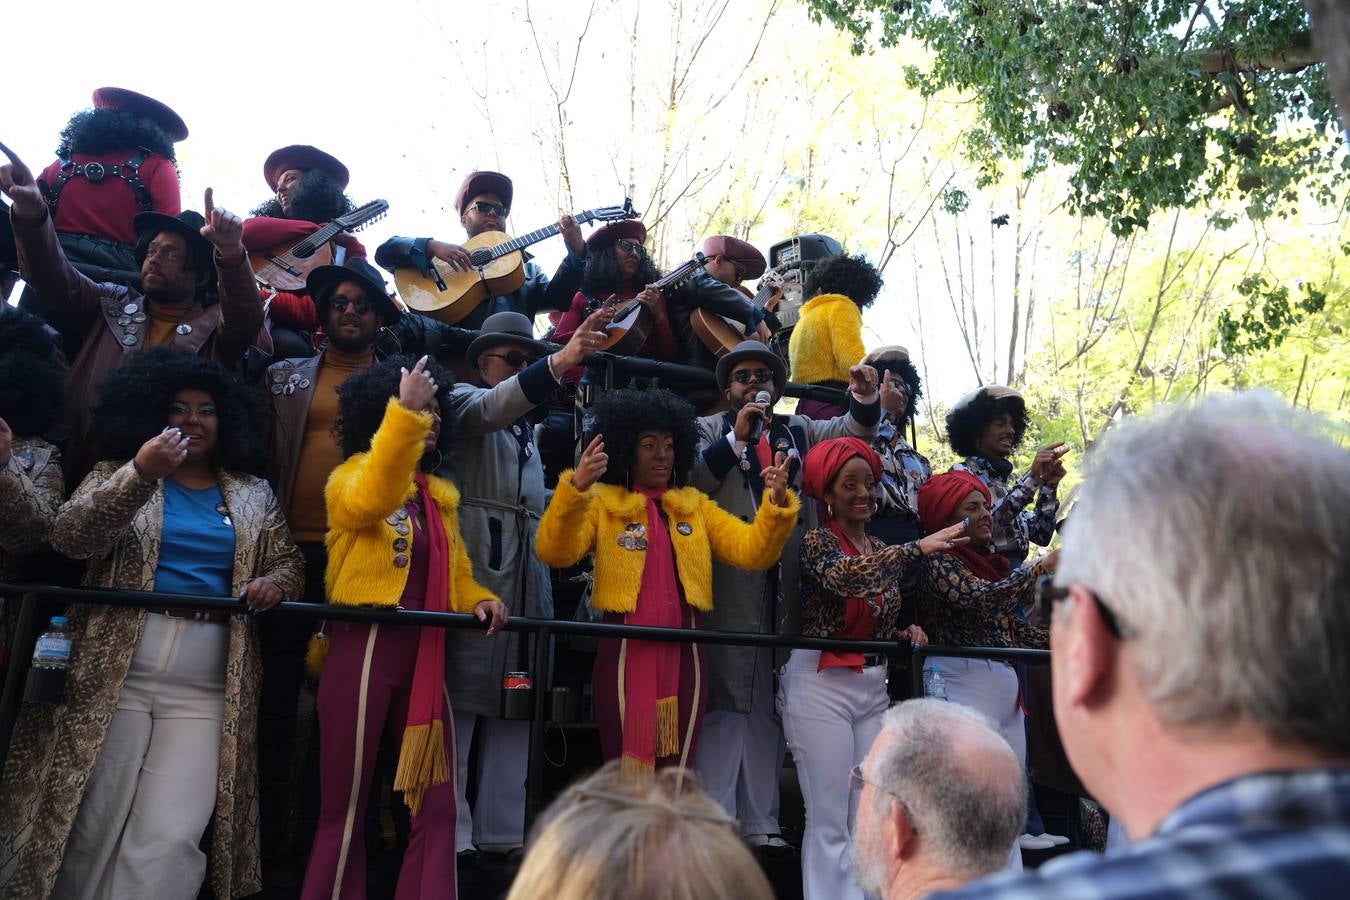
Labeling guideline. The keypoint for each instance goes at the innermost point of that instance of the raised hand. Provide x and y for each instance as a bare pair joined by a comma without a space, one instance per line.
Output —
893,400
417,389
223,229
586,341
862,380
161,454
1046,565
453,255
1046,461
16,181
776,479
594,461
948,538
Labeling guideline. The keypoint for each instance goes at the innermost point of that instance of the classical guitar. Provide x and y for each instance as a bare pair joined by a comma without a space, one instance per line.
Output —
498,269
627,331
287,271
720,334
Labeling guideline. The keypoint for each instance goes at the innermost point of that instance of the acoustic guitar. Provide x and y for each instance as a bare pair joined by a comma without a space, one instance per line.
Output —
627,331
498,269
288,270
720,334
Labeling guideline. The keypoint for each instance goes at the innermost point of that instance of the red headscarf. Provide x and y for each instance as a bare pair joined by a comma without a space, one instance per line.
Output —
940,496
824,460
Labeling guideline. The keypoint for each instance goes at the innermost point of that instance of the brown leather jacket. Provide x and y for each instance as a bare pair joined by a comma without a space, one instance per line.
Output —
290,412
105,315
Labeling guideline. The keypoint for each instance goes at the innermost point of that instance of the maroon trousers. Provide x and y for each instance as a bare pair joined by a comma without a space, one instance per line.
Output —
693,694
363,694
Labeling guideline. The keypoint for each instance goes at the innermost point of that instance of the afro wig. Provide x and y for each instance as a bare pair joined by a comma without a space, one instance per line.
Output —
602,275
32,374
969,418
318,198
363,397
623,416
852,276
96,131
134,403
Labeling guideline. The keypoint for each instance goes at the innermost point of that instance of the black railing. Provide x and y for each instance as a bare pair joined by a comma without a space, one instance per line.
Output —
21,647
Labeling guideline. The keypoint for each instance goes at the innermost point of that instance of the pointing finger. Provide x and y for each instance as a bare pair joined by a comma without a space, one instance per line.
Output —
210,203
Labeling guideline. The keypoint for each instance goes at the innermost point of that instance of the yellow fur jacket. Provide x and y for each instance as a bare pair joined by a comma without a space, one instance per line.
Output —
827,340
363,494
579,522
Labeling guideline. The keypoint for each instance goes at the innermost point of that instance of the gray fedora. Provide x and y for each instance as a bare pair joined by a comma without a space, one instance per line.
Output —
504,328
752,350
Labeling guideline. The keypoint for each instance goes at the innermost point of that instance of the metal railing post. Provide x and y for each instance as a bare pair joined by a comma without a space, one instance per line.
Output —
543,696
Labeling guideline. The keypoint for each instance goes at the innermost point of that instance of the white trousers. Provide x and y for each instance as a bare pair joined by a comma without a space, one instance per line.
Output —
830,719
991,688
498,815
740,756
153,788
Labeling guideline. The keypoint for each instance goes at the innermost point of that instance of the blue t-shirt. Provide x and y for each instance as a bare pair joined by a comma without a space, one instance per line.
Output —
196,551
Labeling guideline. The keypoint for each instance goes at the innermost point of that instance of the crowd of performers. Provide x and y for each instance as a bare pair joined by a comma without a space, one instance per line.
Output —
176,426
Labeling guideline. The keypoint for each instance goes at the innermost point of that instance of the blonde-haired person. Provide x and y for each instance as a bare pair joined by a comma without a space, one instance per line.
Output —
657,836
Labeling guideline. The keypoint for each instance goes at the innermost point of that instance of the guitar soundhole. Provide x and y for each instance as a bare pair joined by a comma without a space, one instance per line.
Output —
481,257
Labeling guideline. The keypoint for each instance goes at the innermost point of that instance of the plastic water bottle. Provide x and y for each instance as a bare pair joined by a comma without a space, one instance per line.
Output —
53,647
46,681
933,685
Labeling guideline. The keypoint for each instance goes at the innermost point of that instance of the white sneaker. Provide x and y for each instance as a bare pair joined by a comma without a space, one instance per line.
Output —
1033,842
766,840
1058,840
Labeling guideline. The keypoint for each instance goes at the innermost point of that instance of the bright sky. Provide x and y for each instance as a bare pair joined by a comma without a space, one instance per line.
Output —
412,95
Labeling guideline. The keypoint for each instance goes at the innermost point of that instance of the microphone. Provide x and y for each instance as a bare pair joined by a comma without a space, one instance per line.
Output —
765,398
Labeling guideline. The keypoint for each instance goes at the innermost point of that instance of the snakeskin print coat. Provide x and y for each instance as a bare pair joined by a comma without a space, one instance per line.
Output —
114,520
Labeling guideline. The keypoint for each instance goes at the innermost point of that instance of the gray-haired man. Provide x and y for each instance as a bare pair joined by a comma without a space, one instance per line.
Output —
1199,648
943,800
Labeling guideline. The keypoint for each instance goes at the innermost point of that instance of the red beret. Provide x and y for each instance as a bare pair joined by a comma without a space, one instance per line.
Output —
824,460
483,183
141,105
304,158
612,233
941,495
750,259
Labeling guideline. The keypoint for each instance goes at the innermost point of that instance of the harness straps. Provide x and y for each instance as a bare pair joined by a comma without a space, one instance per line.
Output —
129,171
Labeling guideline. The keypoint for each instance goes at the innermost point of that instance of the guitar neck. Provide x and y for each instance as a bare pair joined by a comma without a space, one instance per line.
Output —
525,240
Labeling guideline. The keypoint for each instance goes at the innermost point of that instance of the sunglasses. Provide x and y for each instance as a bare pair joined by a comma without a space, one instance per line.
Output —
1048,594
360,307
484,208
515,359
628,245
745,376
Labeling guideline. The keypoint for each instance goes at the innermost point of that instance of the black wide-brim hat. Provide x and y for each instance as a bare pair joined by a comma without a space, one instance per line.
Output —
752,350
188,223
504,328
141,105
355,270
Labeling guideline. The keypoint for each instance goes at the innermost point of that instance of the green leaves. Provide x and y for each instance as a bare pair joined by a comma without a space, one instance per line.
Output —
1149,106
1267,316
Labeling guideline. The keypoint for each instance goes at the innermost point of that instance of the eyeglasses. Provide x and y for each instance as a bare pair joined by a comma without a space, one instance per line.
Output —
1048,594
745,376
360,307
898,385
856,781
515,359
628,245
485,207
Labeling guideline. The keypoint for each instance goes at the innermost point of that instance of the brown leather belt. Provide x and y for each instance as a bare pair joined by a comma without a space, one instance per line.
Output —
217,618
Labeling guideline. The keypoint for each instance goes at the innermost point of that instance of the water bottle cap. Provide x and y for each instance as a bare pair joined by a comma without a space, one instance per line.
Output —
60,620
